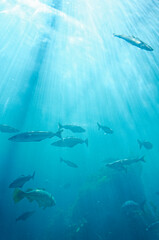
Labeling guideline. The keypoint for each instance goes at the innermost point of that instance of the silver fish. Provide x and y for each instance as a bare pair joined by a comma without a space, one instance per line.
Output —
41,196
69,163
106,130
135,41
121,164
145,144
69,142
34,136
25,215
7,129
73,128
19,182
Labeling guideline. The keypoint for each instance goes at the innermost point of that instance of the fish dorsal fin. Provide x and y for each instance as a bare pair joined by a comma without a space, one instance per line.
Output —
29,190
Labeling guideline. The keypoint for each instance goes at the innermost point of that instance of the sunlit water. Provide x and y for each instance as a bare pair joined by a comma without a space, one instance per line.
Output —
59,63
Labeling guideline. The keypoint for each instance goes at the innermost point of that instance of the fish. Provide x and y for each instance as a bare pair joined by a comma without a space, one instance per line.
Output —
153,226
69,142
34,136
41,196
135,41
130,207
73,128
19,182
69,163
25,216
106,130
145,144
121,164
7,129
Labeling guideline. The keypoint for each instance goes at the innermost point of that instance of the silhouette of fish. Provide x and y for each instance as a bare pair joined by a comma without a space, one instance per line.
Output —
73,128
145,144
25,216
69,142
19,182
135,41
121,164
106,130
41,196
7,129
69,163
34,136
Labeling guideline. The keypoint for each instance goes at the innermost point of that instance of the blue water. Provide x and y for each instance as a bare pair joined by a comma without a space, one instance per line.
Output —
60,63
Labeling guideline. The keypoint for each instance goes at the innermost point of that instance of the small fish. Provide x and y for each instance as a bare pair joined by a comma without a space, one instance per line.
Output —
73,128
121,164
25,216
106,130
34,136
41,196
19,182
153,226
130,207
69,163
69,142
145,144
135,41
7,129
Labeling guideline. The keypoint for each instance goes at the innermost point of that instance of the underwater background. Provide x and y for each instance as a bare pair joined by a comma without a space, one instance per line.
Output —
60,63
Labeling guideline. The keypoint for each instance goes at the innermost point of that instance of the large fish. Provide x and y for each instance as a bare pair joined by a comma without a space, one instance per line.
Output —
7,129
69,142
106,130
25,216
42,197
73,128
121,164
34,136
69,163
135,41
145,144
19,182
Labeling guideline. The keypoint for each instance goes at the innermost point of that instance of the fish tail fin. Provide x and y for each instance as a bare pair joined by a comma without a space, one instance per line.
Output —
60,126
18,195
86,142
140,143
117,35
61,159
58,133
33,175
99,126
142,159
